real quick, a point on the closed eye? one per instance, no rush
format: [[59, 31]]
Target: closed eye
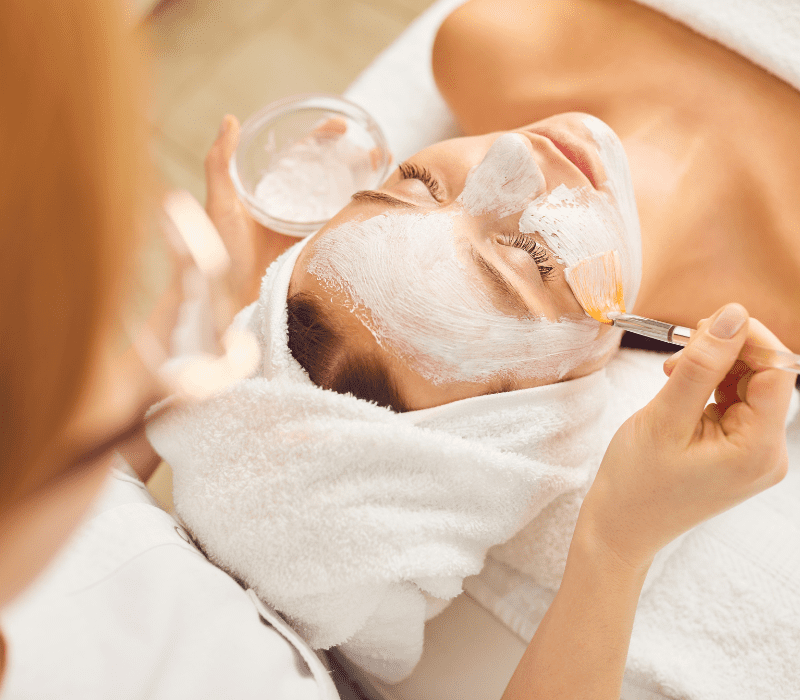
[[412, 171], [533, 248]]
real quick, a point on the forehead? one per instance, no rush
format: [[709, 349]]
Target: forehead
[[303, 280], [417, 390], [456, 156]]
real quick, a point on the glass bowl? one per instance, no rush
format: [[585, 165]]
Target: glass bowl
[[301, 158]]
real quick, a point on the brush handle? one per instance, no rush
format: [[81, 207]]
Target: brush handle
[[679, 335]]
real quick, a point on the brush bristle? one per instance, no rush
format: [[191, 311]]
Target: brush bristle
[[597, 285]]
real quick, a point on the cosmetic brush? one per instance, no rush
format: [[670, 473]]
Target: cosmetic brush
[[597, 285]]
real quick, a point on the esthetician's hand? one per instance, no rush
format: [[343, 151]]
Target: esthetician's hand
[[252, 247], [677, 463]]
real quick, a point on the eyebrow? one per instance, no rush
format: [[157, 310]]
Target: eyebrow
[[501, 285], [371, 196]]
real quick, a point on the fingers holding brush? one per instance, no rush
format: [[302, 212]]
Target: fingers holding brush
[[702, 365], [772, 388]]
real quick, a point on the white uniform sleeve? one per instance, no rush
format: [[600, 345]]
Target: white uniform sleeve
[[133, 610]]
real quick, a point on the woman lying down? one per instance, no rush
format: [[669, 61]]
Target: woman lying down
[[430, 388], [432, 393]]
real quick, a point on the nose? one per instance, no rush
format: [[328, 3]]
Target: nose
[[505, 181]]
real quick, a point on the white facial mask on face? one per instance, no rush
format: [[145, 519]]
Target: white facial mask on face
[[409, 287], [580, 222], [505, 180], [420, 302]]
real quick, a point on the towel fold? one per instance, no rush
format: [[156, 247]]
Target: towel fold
[[340, 516], [358, 524], [720, 616], [355, 522], [723, 620]]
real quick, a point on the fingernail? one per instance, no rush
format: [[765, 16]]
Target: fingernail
[[223, 127], [728, 323]]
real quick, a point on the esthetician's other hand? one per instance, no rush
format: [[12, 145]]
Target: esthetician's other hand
[[677, 462], [252, 247]]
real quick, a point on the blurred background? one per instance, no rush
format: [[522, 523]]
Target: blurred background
[[213, 57]]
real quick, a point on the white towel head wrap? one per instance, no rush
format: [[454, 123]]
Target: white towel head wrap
[[269, 319], [357, 523]]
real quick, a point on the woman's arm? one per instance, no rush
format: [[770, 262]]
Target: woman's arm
[[581, 645], [671, 466]]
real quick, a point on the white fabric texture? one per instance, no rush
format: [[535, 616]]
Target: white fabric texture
[[355, 522], [721, 621], [346, 517], [130, 609], [570, 423]]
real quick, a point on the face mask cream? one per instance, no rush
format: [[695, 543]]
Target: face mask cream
[[407, 283], [504, 181], [581, 222], [409, 288]]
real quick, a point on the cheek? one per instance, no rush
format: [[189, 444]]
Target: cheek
[[505, 181], [573, 226], [578, 223], [620, 186], [407, 286]]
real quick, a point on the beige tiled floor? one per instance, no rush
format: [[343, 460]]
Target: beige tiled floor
[[213, 57]]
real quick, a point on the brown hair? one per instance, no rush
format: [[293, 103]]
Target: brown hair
[[320, 346], [71, 179]]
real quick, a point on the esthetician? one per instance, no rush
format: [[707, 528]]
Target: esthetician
[[102, 593]]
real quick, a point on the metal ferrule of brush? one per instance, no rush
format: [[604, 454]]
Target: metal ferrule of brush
[[658, 330], [680, 335]]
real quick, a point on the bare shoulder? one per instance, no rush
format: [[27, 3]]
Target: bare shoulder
[[492, 57]]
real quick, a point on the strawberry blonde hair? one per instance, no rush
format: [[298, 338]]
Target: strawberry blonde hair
[[71, 183]]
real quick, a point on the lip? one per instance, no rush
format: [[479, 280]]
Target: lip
[[577, 152]]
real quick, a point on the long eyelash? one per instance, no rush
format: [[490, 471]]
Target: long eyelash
[[412, 171], [533, 248]]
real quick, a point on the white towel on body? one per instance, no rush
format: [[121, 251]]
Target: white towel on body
[[721, 616], [356, 523], [723, 620]]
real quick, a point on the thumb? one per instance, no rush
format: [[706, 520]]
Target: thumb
[[702, 365], [220, 192]]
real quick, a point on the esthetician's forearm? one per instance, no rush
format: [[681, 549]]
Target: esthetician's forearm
[[581, 645]]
